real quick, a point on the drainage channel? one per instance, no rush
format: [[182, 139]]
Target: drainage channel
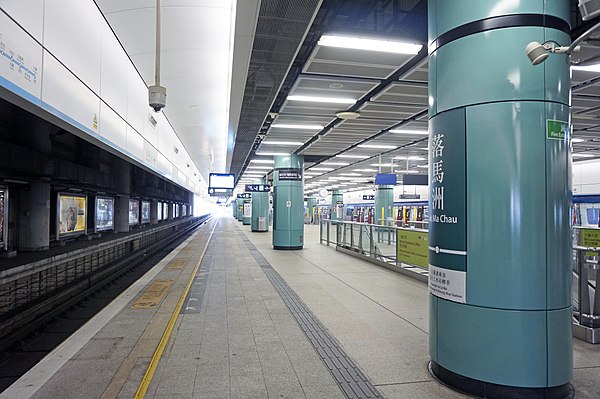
[[352, 381]]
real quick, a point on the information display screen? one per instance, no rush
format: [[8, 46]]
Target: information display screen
[[385, 179], [593, 215], [145, 212], [134, 212], [221, 180], [72, 216], [159, 211], [104, 213], [3, 217]]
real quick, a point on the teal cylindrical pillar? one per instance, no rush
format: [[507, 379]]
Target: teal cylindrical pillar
[[384, 204], [311, 204], [260, 210], [234, 207], [500, 189], [240, 209], [288, 202], [337, 205]]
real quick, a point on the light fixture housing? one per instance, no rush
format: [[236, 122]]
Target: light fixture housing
[[269, 142], [316, 99], [362, 43], [539, 52], [410, 131], [299, 127], [347, 115]]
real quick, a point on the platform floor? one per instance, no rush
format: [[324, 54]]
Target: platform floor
[[243, 330]]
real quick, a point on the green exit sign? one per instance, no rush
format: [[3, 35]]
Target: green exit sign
[[556, 130]]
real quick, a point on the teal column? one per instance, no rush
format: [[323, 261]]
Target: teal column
[[311, 203], [500, 189], [260, 210], [247, 216], [240, 209], [337, 199], [234, 206], [288, 202], [384, 204]]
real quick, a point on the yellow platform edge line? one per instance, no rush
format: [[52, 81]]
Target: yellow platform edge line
[[149, 374]]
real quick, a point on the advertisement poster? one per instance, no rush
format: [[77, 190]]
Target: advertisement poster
[[134, 212], [165, 210], [72, 215], [175, 210], [145, 212], [104, 213], [159, 211], [184, 210], [2, 216]]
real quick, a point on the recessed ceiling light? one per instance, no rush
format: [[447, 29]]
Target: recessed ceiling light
[[577, 140], [350, 174], [259, 167], [268, 142], [272, 153], [314, 99], [423, 166], [383, 164], [335, 163], [407, 131], [359, 43], [378, 146], [300, 127], [348, 115], [322, 169], [336, 86], [353, 156], [262, 161], [411, 158]]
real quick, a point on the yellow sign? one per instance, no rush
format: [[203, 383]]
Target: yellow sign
[[153, 295], [413, 247], [72, 216], [176, 264]]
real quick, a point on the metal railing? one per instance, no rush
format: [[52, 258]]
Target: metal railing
[[586, 266]]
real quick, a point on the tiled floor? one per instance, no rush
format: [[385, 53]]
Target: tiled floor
[[242, 341]]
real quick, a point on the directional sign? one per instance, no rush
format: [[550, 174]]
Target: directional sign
[[245, 195], [257, 188], [369, 197]]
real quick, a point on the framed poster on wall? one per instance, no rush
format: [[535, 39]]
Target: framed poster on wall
[[145, 212], [104, 214], [71, 215], [159, 212], [134, 212], [165, 210], [184, 210], [3, 217]]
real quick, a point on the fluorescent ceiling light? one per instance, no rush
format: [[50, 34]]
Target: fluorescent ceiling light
[[353, 156], [407, 171], [410, 158], [282, 142], [577, 140], [301, 127], [586, 68], [322, 169], [335, 163], [423, 166], [313, 99], [377, 146], [365, 170], [359, 43], [262, 161], [383, 164], [350, 174], [267, 154], [582, 155], [259, 167], [410, 131]]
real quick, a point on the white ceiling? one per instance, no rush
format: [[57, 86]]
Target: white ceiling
[[196, 68]]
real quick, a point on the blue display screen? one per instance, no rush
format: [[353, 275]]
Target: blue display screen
[[385, 179], [592, 215]]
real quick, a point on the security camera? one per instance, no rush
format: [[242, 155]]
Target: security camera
[[157, 97], [536, 53]]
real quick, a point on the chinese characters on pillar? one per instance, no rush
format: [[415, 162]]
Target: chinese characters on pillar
[[437, 164]]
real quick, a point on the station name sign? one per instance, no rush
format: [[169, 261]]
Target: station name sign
[[257, 188]]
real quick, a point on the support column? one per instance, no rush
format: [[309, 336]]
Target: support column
[[311, 203], [384, 204], [288, 202], [122, 173], [34, 222], [337, 205], [240, 209], [500, 181], [234, 208], [260, 210], [247, 216]]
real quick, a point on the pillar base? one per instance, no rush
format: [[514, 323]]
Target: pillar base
[[489, 390], [287, 248]]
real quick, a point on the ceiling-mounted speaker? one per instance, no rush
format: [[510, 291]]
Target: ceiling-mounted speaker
[[589, 9]]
